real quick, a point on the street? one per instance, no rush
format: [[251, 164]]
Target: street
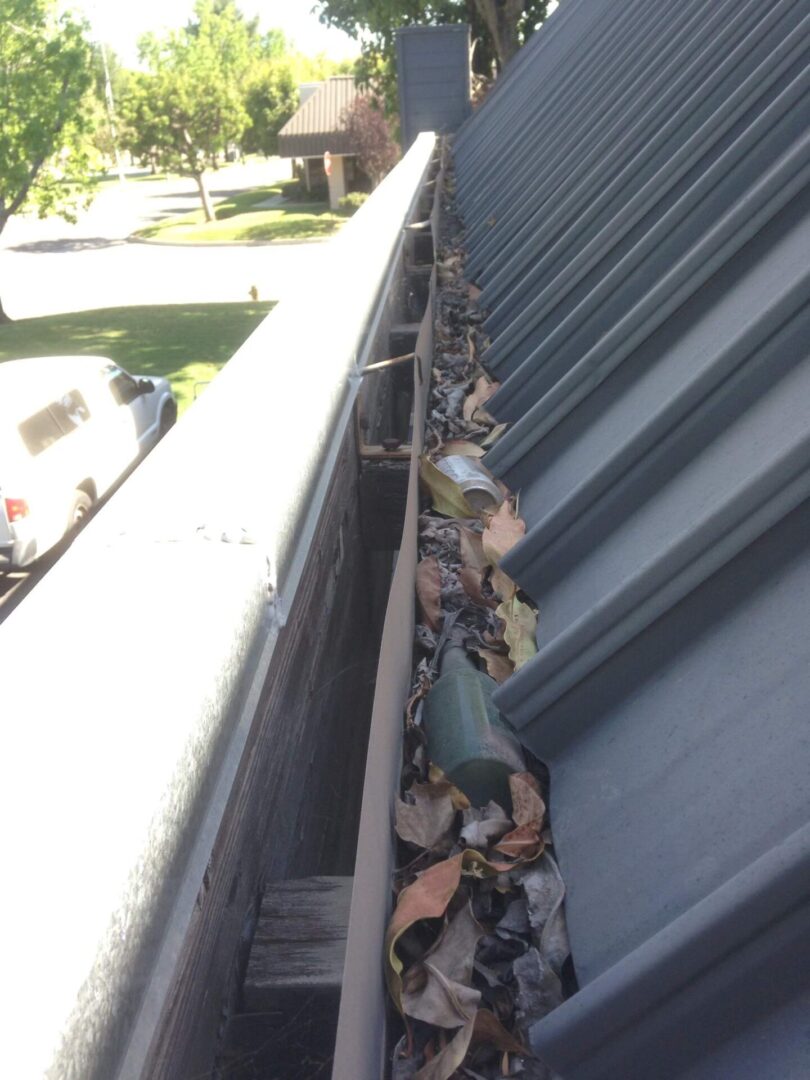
[[50, 267]]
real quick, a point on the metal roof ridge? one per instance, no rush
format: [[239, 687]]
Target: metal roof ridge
[[762, 894]]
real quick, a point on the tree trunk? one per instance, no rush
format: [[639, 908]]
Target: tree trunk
[[3, 222], [208, 208], [502, 18]]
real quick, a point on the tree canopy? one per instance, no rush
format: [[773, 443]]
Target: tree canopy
[[216, 82], [191, 104], [499, 28], [46, 71]]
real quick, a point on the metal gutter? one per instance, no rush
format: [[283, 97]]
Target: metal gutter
[[132, 671], [361, 1042]]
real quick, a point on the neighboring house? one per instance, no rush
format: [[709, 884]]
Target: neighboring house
[[317, 129]]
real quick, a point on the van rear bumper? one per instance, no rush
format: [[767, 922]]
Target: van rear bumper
[[16, 555]]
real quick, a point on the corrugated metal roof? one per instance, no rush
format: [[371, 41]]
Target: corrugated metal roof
[[318, 124], [636, 196]]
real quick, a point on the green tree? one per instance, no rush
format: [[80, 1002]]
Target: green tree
[[195, 92], [45, 74], [499, 28], [139, 116], [272, 98], [272, 88]]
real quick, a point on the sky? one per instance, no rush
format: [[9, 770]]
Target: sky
[[120, 23]]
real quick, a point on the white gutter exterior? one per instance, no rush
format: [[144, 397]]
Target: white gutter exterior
[[131, 672]]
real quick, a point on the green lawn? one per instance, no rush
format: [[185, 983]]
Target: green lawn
[[239, 223], [188, 343]]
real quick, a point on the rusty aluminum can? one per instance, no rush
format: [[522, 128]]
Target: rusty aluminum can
[[480, 490]]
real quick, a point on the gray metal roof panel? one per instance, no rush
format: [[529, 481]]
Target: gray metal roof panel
[[608, 110], [640, 167], [677, 371], [643, 247]]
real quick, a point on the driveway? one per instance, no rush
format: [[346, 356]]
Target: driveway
[[50, 267]]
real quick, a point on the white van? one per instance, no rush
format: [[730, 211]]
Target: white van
[[70, 427]]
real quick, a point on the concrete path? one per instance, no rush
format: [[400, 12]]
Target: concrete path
[[50, 267]]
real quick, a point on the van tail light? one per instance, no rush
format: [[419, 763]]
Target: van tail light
[[16, 509]]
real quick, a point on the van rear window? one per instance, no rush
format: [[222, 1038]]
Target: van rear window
[[70, 411], [48, 425]]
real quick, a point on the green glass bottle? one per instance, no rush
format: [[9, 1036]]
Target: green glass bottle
[[467, 737]]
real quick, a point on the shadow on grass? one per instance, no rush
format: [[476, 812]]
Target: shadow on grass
[[284, 219], [186, 343], [58, 247]]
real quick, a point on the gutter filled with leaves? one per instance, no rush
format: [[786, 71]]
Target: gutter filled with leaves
[[476, 950]]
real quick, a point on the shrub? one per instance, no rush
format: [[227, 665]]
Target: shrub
[[369, 135], [351, 202]]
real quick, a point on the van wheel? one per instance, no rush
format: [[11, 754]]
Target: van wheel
[[80, 510], [167, 418]]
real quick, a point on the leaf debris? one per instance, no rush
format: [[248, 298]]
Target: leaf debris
[[476, 946]]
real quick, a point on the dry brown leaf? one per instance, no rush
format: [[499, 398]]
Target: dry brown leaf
[[483, 391], [538, 988], [446, 495], [545, 893], [527, 806], [473, 564], [487, 1028], [503, 530], [436, 777], [502, 584], [472, 549], [438, 989], [440, 1001], [426, 898], [443, 1065], [452, 263], [484, 1027], [471, 583], [522, 843], [519, 631], [425, 684], [463, 448], [454, 952], [429, 591], [483, 825], [427, 820], [474, 864], [493, 436], [473, 292], [499, 667]]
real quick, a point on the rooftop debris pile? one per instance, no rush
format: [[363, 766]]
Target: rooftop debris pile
[[477, 948]]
